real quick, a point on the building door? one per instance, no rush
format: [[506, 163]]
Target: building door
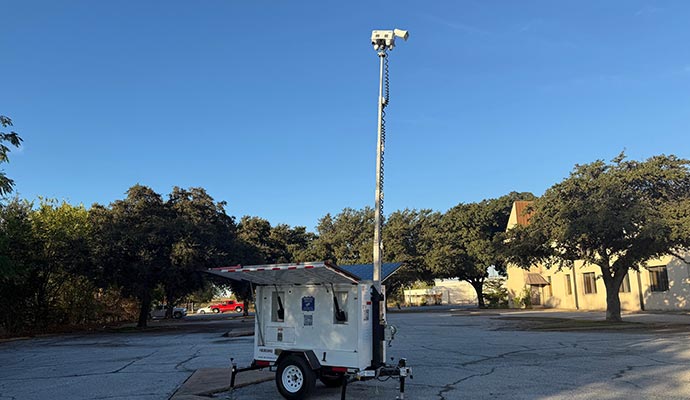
[[535, 292]]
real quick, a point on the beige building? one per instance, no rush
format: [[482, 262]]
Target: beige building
[[664, 284], [445, 291]]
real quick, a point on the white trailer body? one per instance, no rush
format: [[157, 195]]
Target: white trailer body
[[318, 320], [310, 323]]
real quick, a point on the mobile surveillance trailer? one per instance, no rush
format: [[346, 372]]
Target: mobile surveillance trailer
[[318, 321]]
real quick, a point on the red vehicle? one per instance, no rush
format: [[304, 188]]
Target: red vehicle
[[225, 306]]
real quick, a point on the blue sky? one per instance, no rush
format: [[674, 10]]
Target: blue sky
[[271, 106]]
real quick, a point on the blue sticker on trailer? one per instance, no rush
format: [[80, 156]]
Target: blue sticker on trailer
[[308, 303]]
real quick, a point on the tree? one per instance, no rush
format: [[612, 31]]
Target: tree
[[61, 233], [346, 239], [17, 258], [7, 184], [132, 243], [203, 236], [470, 241], [292, 243], [408, 237], [617, 216], [43, 255]]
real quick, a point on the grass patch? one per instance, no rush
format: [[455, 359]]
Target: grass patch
[[567, 324]]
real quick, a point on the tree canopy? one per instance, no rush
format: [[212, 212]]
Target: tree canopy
[[13, 139], [470, 240], [616, 215]]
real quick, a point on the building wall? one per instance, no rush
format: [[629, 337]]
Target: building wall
[[445, 291], [454, 291], [416, 297], [677, 297]]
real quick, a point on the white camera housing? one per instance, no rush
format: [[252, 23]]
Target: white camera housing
[[401, 34], [385, 39]]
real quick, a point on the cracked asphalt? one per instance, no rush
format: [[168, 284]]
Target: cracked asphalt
[[460, 356], [453, 356], [124, 365]]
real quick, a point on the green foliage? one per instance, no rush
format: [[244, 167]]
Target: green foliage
[[470, 240], [13, 139], [44, 267], [133, 244], [523, 299], [345, 239], [616, 215], [495, 293], [408, 236], [142, 243], [203, 236], [17, 265]]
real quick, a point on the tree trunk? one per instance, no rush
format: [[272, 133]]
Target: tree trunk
[[245, 308], [145, 309], [613, 301], [478, 286], [613, 305]]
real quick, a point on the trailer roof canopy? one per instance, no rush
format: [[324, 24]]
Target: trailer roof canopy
[[302, 273]]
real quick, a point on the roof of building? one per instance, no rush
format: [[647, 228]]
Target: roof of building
[[521, 212], [533, 278]]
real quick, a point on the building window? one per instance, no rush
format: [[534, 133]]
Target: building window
[[625, 285], [550, 291], [568, 285], [590, 282], [658, 279]]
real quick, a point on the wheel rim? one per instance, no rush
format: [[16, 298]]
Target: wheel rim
[[292, 378]]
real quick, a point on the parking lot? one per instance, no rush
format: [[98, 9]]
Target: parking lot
[[454, 356]]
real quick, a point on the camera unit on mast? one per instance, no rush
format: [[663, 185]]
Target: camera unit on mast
[[383, 41]]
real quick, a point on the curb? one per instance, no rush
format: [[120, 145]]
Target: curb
[[207, 381]]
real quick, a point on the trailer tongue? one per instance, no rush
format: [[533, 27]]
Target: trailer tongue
[[319, 321]]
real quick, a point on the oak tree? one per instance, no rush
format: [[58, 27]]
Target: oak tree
[[617, 216]]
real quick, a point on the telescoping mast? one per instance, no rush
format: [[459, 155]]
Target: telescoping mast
[[317, 320]]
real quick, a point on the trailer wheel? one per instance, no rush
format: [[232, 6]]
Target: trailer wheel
[[294, 378], [332, 381]]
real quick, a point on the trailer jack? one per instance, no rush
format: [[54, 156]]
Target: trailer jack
[[400, 371], [234, 370]]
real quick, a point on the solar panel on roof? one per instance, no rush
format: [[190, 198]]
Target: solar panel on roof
[[304, 273], [365, 272]]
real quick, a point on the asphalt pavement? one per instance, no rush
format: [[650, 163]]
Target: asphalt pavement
[[454, 353]]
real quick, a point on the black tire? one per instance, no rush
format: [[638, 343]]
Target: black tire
[[332, 381], [202, 312], [177, 315], [215, 310], [238, 309], [294, 378]]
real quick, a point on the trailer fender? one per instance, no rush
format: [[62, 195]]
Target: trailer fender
[[308, 355]]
